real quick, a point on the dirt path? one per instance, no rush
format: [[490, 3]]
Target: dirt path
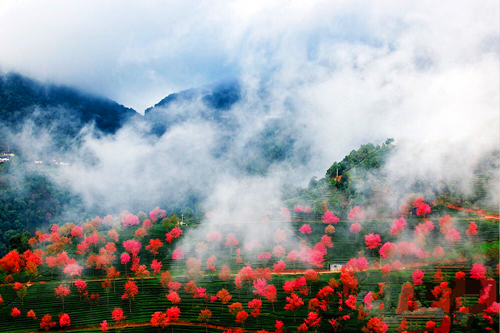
[[145, 324], [481, 213]]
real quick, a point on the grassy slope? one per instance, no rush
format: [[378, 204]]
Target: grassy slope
[[151, 297]]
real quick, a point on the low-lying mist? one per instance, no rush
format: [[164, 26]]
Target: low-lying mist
[[304, 104]]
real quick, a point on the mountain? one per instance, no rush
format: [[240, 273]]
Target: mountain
[[63, 109], [210, 102], [220, 105]]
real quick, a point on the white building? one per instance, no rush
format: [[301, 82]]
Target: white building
[[336, 266]]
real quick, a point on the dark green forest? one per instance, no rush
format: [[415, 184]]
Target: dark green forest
[[339, 188], [358, 180], [61, 110], [29, 201]]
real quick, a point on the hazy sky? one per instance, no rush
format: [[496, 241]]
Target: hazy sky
[[338, 73], [137, 52]]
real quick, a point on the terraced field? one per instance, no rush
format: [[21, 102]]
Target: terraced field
[[152, 297]]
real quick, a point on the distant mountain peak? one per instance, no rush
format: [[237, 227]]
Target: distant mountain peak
[[21, 96], [207, 102], [221, 95]]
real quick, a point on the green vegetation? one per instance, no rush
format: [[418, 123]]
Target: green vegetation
[[358, 180], [340, 187], [20, 97], [30, 201], [89, 313]]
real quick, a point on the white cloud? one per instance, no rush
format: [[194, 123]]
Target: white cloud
[[346, 72]]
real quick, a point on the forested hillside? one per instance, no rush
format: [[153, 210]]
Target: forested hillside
[[360, 179], [30, 201], [60, 109]]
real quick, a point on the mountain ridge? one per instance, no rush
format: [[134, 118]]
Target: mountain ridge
[[22, 98]]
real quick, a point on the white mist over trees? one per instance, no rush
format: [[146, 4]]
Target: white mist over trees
[[333, 76]]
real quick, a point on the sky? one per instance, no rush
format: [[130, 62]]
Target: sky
[[344, 72], [137, 52]]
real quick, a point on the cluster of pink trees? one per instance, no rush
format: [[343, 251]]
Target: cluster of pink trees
[[98, 250], [422, 208], [130, 220]]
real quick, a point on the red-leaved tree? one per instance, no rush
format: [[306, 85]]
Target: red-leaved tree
[[224, 296], [255, 305], [204, 317], [62, 291], [293, 303], [64, 320], [47, 322], [130, 291], [81, 286], [173, 297], [159, 319], [117, 315], [154, 246]]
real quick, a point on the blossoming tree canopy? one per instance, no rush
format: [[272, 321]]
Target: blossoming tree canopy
[[205, 315], [388, 250], [62, 291], [231, 240], [132, 246], [372, 241], [329, 218], [47, 322], [472, 229], [358, 264], [355, 214], [298, 209], [452, 235], [421, 207], [305, 229], [156, 266], [80, 285], [438, 252], [154, 246], [159, 319], [130, 220], [64, 320], [355, 228], [398, 225], [124, 258], [117, 314], [478, 271], [15, 312], [178, 254], [11, 263], [417, 276]]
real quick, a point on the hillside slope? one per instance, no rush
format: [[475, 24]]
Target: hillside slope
[[61, 109]]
